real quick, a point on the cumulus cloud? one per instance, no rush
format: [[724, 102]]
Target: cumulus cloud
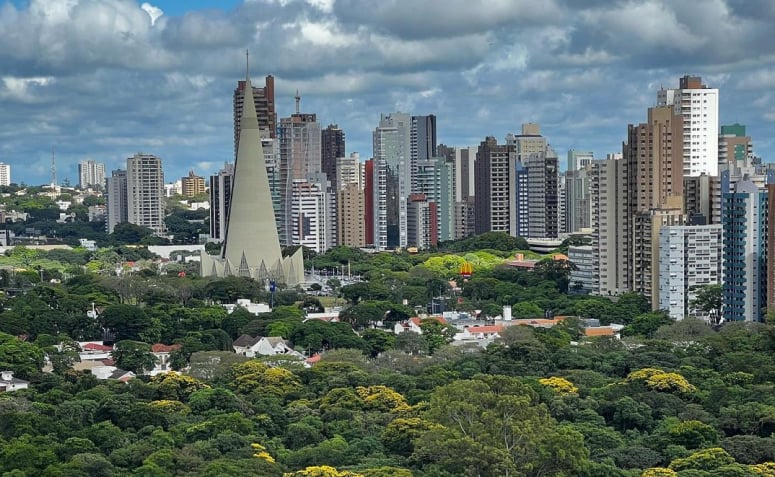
[[106, 78]]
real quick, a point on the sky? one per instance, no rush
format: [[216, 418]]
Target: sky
[[105, 79]]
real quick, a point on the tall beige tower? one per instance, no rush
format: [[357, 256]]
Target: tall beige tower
[[251, 247]]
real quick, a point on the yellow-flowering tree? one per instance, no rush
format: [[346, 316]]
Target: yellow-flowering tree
[[706, 459], [382, 398], [176, 386], [660, 380], [766, 469], [559, 385], [321, 471], [260, 452], [658, 472]]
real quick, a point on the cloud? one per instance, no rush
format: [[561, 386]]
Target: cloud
[[153, 12], [106, 78]]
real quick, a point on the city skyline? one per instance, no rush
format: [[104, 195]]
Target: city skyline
[[170, 70]]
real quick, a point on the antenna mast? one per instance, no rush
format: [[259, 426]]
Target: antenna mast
[[298, 100]]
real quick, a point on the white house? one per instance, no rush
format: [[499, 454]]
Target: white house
[[8, 383], [255, 308], [476, 333], [251, 347]]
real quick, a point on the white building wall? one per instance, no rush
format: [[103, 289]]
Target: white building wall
[[5, 174], [699, 109], [689, 257]]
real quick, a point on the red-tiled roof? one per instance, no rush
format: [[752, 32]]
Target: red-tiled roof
[[485, 329], [416, 320], [96, 347], [313, 359], [162, 348], [599, 331]]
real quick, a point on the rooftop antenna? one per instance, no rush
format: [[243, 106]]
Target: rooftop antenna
[[247, 63], [298, 100], [53, 169]]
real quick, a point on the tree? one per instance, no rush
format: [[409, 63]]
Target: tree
[[436, 334], [378, 340], [709, 299], [706, 459], [498, 417], [646, 324], [133, 356], [130, 322], [411, 342], [24, 359], [126, 233], [64, 356]]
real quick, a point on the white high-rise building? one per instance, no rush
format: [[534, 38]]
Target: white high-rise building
[[349, 170], [5, 174], [313, 223], [145, 192], [91, 174], [698, 105], [689, 257]]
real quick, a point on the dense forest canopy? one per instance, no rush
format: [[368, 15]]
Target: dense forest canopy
[[668, 399]]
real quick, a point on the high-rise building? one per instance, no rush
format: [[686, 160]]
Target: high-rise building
[[349, 170], [577, 199], [435, 179], [461, 160], [220, 197], [350, 214], [392, 155], [369, 197], [422, 220], [115, 200], [578, 160], [609, 221], [583, 276], [734, 145], [654, 162], [332, 147], [145, 192], [528, 142], [312, 218], [495, 170], [350, 201], [423, 143], [192, 184], [5, 174], [263, 99], [689, 257], [91, 174], [251, 247], [299, 139], [746, 227], [702, 199], [698, 106], [542, 171]]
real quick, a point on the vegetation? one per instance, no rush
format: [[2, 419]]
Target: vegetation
[[669, 399]]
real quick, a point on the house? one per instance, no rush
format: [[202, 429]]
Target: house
[[162, 354], [251, 347], [121, 375], [331, 316], [413, 324], [255, 308], [9, 384], [473, 333]]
